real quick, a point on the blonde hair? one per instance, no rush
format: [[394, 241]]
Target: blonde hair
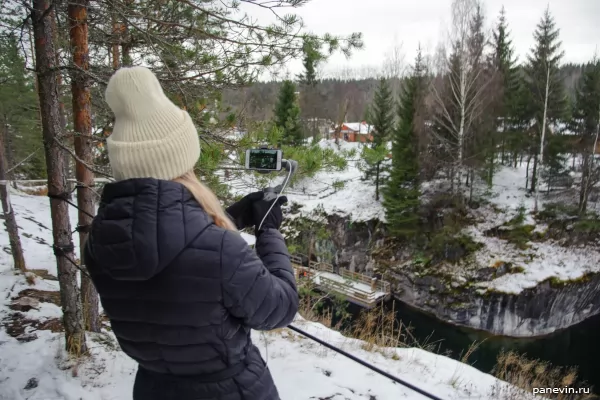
[[207, 199]]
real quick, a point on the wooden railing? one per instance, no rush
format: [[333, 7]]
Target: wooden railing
[[378, 285], [340, 287]]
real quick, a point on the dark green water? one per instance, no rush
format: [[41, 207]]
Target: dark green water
[[577, 346]]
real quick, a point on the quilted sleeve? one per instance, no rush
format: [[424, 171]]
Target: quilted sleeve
[[260, 289]]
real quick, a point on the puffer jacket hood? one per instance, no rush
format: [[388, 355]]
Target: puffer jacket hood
[[140, 227]]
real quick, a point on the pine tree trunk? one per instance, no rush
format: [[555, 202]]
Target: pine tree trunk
[[9, 156], [116, 38], [126, 42], [52, 128], [80, 90], [8, 212], [59, 80]]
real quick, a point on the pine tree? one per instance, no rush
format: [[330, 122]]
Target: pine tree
[[287, 114], [548, 101], [312, 57], [381, 112], [505, 63], [19, 114], [308, 81], [46, 64], [401, 196], [586, 122], [82, 124]]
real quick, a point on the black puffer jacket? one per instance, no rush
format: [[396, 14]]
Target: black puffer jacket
[[182, 294]]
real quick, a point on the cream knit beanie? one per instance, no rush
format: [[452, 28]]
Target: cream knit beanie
[[152, 137]]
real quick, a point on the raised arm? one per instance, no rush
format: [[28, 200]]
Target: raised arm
[[260, 289]]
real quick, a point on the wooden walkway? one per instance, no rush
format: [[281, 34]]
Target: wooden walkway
[[357, 288]]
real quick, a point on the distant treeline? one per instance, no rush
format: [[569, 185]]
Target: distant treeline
[[256, 102]]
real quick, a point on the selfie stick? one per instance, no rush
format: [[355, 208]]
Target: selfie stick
[[274, 193]]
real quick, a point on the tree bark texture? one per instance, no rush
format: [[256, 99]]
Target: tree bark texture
[[59, 81], [80, 91], [8, 212], [9, 156], [52, 127]]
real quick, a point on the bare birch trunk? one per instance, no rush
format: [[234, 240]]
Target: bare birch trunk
[[80, 90], [52, 128], [541, 161], [8, 212], [461, 129]]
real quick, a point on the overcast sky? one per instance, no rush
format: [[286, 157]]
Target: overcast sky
[[426, 21]]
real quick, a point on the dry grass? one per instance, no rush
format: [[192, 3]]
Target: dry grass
[[307, 310], [44, 296], [36, 191], [525, 374], [44, 274], [379, 328]]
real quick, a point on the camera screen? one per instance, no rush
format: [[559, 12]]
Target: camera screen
[[263, 159]]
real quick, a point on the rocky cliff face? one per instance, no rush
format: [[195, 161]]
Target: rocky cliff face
[[549, 306], [534, 312]]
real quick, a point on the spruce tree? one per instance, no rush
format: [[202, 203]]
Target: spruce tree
[[545, 59], [585, 121], [287, 114], [381, 113], [505, 63], [401, 196]]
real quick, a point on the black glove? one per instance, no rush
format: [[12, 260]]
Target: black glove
[[242, 212], [273, 219]]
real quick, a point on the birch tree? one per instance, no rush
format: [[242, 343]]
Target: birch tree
[[394, 65], [459, 102], [542, 136], [548, 101]]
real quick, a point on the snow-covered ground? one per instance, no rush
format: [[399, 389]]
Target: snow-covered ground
[[302, 369], [542, 260], [356, 200]]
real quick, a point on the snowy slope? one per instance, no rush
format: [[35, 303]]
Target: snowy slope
[[301, 368], [542, 260], [355, 200]]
